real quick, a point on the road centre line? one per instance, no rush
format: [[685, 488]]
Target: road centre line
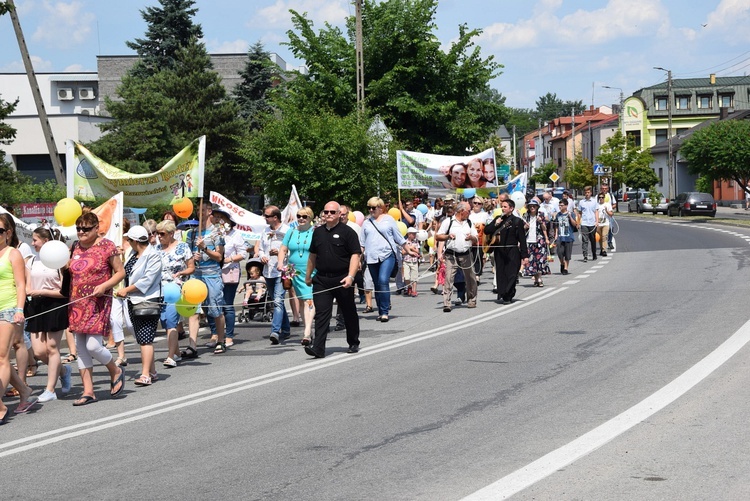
[[571, 282], [77, 430], [564, 456], [581, 276]]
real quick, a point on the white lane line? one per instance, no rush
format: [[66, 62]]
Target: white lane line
[[599, 436], [571, 282], [76, 430], [597, 267], [581, 276], [590, 271]]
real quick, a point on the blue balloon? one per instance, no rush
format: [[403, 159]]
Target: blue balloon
[[469, 192], [422, 208], [171, 293]]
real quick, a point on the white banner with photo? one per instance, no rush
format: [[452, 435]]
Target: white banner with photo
[[249, 224], [443, 174]]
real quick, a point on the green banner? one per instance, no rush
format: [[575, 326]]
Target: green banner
[[89, 177]]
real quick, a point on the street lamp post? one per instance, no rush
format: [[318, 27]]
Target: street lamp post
[[622, 122], [670, 160]]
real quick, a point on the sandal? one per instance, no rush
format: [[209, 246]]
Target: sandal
[[120, 379], [26, 406], [31, 370], [188, 353], [12, 393], [144, 380], [306, 341], [84, 400], [70, 358], [121, 362], [368, 309], [220, 348]]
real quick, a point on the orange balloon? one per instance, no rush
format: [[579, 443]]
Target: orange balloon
[[183, 207], [597, 237], [194, 291]]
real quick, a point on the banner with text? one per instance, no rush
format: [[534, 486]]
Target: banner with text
[[442, 174], [90, 177], [247, 223]]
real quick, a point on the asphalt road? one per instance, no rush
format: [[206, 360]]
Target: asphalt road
[[596, 386]]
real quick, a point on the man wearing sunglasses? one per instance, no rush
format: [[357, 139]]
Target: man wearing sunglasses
[[334, 255], [267, 249]]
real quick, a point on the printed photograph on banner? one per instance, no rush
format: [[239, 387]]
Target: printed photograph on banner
[[442, 174], [247, 223]]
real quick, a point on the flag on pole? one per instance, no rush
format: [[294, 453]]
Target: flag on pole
[[289, 214], [110, 219]]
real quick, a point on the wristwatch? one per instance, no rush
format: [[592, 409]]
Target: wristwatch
[[349, 276]]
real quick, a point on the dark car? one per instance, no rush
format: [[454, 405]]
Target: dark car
[[692, 203]]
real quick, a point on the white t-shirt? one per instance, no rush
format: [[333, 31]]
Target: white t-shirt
[[460, 229], [603, 214]]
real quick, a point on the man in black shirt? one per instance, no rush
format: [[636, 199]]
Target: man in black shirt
[[334, 254]]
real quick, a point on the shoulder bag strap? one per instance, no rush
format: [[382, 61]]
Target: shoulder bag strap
[[381, 234]]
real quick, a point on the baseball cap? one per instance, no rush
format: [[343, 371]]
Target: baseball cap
[[411, 230], [137, 233], [532, 202]]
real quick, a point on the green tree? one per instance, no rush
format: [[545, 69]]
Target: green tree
[[720, 151], [7, 132], [542, 174], [251, 94], [170, 28], [549, 107], [580, 172], [162, 113], [627, 161], [432, 100], [326, 156]]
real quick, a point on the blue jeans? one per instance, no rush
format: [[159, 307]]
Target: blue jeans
[[230, 291], [381, 278], [280, 322]]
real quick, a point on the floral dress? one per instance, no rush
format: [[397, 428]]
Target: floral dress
[[538, 250], [89, 268]]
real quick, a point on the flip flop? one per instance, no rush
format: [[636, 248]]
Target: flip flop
[[26, 406], [120, 379], [84, 400]]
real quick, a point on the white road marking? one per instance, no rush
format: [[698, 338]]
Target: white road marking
[[581, 276], [590, 271], [571, 282], [598, 267], [80, 429]]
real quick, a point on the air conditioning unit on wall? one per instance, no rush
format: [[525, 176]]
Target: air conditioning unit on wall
[[86, 93], [65, 94]]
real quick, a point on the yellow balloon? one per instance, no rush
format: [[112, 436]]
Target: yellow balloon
[[67, 211], [352, 217], [431, 242], [194, 291], [395, 213], [498, 212], [401, 228]]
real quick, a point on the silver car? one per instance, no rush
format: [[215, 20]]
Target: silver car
[[641, 202]]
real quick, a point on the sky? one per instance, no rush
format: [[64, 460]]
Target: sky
[[570, 48]]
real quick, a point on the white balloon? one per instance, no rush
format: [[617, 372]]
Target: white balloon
[[422, 235], [518, 198], [54, 254]]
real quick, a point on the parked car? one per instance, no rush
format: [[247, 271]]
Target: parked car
[[640, 202], [692, 203]]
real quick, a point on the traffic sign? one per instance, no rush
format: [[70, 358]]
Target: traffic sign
[[554, 177], [598, 170]]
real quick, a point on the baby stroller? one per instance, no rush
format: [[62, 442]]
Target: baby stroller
[[257, 305]]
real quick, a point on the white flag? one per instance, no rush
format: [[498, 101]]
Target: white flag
[[289, 214]]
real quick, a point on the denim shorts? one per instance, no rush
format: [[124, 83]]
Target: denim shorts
[[169, 316], [7, 315], [214, 303]]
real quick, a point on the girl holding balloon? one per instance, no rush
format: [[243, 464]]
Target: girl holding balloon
[[48, 316], [177, 264]]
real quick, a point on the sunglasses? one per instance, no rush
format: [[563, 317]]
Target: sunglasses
[[2, 231], [161, 233], [302, 216], [152, 233], [268, 215], [330, 211], [83, 229], [477, 203], [371, 208]]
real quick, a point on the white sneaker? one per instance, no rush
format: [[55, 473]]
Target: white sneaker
[[170, 362], [47, 396]]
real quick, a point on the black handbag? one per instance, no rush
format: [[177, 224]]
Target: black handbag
[[147, 309]]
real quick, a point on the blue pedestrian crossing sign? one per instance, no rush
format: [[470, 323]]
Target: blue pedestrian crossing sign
[[598, 170]]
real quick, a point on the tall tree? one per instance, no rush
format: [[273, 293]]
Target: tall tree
[[628, 162], [170, 28], [251, 94], [430, 99], [549, 107], [720, 151], [160, 114], [580, 173], [7, 132]]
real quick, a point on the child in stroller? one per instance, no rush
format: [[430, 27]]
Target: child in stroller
[[255, 294]]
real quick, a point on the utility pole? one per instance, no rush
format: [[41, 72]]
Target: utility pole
[[622, 129], [540, 147], [360, 64], [513, 151], [572, 133], [670, 160], [46, 128]]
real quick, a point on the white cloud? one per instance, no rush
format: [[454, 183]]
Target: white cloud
[[319, 11], [37, 62], [618, 19], [64, 24], [74, 68], [227, 47], [731, 19]]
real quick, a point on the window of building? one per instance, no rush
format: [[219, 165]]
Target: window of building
[[661, 176], [682, 102], [634, 137], [704, 102], [726, 100], [661, 135], [661, 103]]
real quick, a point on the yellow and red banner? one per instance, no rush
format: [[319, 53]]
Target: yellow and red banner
[[89, 177]]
